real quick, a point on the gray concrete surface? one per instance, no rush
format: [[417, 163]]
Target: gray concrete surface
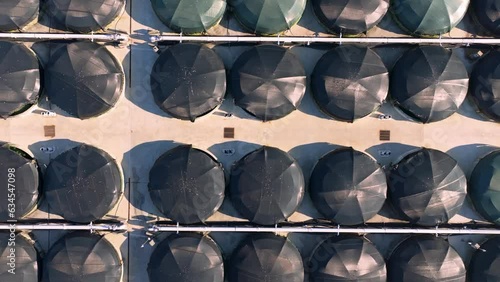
[[136, 132]]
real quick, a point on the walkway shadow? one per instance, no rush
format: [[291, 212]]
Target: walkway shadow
[[136, 165], [228, 153]]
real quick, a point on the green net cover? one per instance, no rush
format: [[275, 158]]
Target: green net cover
[[484, 187], [189, 16], [485, 85], [428, 17], [267, 17]]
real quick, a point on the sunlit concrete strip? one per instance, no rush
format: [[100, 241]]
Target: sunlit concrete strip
[[112, 37], [331, 230], [337, 40], [64, 226]]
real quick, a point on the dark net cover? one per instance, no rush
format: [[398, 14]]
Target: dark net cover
[[19, 78], [266, 257], [346, 258], [425, 258], [25, 183], [268, 17], [427, 187], [429, 83], [268, 82], [188, 81], [83, 79], [82, 257], [348, 187], [26, 259], [82, 184], [350, 82], [485, 262], [428, 17], [189, 16], [16, 14], [187, 257], [187, 185], [266, 186], [349, 16], [487, 14], [84, 15], [485, 86], [484, 187]]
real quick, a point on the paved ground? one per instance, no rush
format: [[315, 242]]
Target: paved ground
[[136, 132]]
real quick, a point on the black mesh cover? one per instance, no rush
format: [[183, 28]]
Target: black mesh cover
[[82, 257], [188, 81], [487, 14], [484, 187], [425, 259], [266, 257], [485, 263], [19, 78], [427, 187], [348, 186], [350, 82], [83, 79], [186, 257], [266, 186], [82, 184], [429, 83], [84, 15], [26, 259], [485, 87], [350, 16], [347, 258], [16, 14], [268, 82], [25, 183], [187, 185]]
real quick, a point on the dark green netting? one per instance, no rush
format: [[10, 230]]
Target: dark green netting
[[484, 187], [348, 186], [346, 258], [425, 258], [84, 79], [82, 184], [82, 257], [429, 83], [428, 17], [350, 16], [266, 186], [267, 17], [427, 187], [16, 14], [186, 184], [19, 78], [350, 82], [83, 15], [485, 85], [487, 14], [25, 183], [266, 257], [268, 82], [485, 262], [186, 257], [189, 16], [26, 263], [188, 81]]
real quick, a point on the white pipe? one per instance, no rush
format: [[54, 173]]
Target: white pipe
[[339, 40], [338, 230], [65, 36], [55, 226]]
